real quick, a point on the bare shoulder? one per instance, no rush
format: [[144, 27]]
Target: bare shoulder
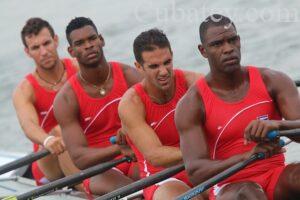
[[130, 99], [191, 77], [24, 91], [65, 100], [190, 108], [276, 80], [131, 74]]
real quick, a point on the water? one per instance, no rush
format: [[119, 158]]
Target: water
[[269, 33]]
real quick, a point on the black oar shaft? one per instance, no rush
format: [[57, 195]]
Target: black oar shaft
[[143, 183], [290, 133], [72, 179], [219, 177], [297, 82], [23, 161]]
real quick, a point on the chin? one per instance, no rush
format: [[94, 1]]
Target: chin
[[231, 68]]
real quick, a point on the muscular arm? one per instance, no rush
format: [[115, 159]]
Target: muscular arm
[[189, 116], [23, 100], [286, 97], [132, 114], [66, 112]]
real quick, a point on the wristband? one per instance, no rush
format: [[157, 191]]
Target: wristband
[[47, 140]]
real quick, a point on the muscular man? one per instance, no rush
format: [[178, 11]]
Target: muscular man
[[147, 113], [34, 96], [86, 107], [233, 103]]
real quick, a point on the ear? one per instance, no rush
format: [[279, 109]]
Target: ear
[[138, 66], [27, 51], [102, 40], [71, 51], [202, 50], [56, 41]]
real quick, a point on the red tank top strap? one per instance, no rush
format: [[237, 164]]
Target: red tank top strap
[[32, 80], [70, 69], [119, 79]]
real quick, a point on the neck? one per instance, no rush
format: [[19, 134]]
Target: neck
[[158, 95], [96, 75], [227, 81], [53, 74]]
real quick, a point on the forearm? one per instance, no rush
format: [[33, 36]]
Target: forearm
[[290, 124], [85, 157], [164, 156], [202, 169], [34, 132]]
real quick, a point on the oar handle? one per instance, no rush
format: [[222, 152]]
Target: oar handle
[[287, 133], [113, 139]]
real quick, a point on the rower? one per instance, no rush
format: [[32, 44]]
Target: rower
[[33, 99], [224, 119], [147, 113], [86, 107]]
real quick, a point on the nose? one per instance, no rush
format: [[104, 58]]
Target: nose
[[88, 45], [163, 71], [43, 51], [228, 48]]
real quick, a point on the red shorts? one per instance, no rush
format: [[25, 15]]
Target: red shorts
[[124, 168], [38, 175], [267, 181], [149, 191]]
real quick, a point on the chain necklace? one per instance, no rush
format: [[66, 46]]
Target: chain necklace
[[157, 100], [101, 88], [53, 84]]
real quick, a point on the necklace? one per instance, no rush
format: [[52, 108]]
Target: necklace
[[157, 100], [101, 88], [53, 84]]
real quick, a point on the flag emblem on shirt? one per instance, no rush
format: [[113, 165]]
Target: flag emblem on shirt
[[263, 117]]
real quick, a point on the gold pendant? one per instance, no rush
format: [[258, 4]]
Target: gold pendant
[[102, 91]]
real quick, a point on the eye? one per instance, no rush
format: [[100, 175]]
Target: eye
[[78, 43], [233, 39], [153, 66], [168, 62], [216, 43]]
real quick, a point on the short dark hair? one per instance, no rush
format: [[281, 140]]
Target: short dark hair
[[213, 20], [33, 26], [77, 23], [148, 41]]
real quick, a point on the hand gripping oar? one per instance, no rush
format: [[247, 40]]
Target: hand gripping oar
[[23, 161], [143, 183], [69, 180], [223, 175], [286, 133]]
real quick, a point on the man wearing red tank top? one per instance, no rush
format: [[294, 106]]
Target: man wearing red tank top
[[33, 99], [86, 107], [147, 113], [224, 118]]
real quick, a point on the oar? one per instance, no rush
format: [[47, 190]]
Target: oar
[[223, 175], [69, 180], [286, 133], [143, 183], [297, 82], [23, 161]]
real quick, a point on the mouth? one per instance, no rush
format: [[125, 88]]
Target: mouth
[[231, 60], [92, 55], [164, 80]]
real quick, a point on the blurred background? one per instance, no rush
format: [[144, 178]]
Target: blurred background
[[269, 32]]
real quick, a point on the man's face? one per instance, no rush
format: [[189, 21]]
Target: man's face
[[221, 47], [86, 46], [42, 48], [158, 67]]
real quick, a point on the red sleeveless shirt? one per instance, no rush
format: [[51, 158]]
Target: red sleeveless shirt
[[44, 99], [98, 117], [226, 121], [161, 119]]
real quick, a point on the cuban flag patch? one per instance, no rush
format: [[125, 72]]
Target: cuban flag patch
[[263, 117]]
